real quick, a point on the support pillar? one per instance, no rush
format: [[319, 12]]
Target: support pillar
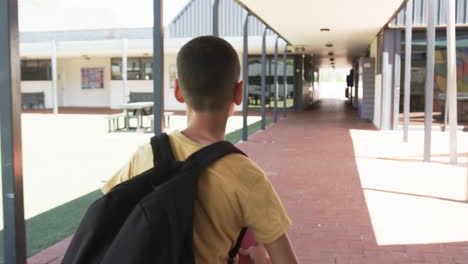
[[429, 89], [10, 135], [124, 72], [158, 67], [451, 93], [54, 77], [408, 50], [396, 80], [263, 111], [275, 110], [216, 18], [245, 77], [285, 79]]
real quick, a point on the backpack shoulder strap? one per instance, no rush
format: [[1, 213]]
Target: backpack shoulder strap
[[233, 252], [209, 154], [162, 151]]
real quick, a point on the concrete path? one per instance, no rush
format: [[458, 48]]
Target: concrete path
[[340, 181]]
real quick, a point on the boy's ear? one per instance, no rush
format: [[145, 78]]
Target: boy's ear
[[238, 92], [178, 93]]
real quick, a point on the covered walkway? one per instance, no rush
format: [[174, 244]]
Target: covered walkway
[[310, 158], [332, 195]]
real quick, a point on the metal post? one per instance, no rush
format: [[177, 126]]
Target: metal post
[[285, 79], [446, 109], [216, 18], [10, 135], [158, 67], [54, 77], [275, 110], [356, 89], [245, 76], [124, 71], [429, 91], [263, 123], [396, 80], [387, 77], [408, 46], [451, 92]]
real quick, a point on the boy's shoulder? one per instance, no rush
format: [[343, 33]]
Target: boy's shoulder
[[244, 169], [241, 167]]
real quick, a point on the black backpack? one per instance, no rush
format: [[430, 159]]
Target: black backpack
[[149, 218]]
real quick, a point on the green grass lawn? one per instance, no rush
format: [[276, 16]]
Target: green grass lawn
[[50, 227]]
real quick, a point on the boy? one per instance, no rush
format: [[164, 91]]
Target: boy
[[233, 192]]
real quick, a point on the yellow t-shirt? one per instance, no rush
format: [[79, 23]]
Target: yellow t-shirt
[[232, 193]]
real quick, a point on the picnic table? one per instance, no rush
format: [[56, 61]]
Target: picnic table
[[138, 110]]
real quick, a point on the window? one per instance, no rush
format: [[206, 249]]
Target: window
[[147, 65], [138, 68], [116, 69], [36, 70], [254, 80]]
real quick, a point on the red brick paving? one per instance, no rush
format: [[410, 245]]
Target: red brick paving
[[310, 160], [52, 255]]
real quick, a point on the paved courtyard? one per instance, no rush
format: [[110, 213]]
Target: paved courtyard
[[357, 195]]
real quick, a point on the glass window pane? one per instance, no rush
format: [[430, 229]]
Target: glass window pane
[[147, 63], [255, 71], [116, 68], [134, 71], [36, 70]]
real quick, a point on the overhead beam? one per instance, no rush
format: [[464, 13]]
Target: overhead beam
[[252, 13]]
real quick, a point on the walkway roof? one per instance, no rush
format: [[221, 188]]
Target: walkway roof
[[353, 24]]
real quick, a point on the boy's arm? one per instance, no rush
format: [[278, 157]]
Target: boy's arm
[[265, 215], [281, 251]]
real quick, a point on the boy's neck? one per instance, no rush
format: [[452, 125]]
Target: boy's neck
[[206, 127]]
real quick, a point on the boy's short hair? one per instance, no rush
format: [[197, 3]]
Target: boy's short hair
[[208, 69]]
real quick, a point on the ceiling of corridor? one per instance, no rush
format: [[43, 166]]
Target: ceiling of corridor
[[353, 24]]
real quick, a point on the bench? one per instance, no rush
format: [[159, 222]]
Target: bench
[[113, 121], [32, 100], [136, 97], [167, 119]]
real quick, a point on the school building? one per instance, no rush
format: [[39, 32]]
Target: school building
[[376, 80], [80, 52]]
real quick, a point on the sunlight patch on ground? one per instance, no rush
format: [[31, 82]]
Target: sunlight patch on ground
[[410, 201]]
